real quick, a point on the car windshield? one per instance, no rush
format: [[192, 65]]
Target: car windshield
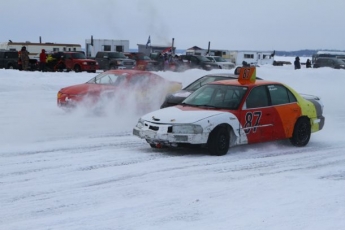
[[107, 79], [202, 58], [219, 59], [78, 56], [203, 81], [217, 96], [116, 55]]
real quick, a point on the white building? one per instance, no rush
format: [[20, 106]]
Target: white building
[[35, 48], [252, 57], [105, 45]]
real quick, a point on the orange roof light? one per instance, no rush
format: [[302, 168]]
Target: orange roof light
[[247, 75]]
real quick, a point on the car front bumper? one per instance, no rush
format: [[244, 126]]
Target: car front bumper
[[169, 139]]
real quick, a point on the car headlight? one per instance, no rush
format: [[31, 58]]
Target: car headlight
[[207, 66], [59, 95], [84, 63], [140, 123], [342, 66], [187, 129]]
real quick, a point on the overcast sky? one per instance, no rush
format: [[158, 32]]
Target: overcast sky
[[226, 24]]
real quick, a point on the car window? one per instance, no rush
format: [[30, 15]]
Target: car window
[[219, 59], [202, 58], [219, 96], [140, 79], [109, 79], [258, 97], [194, 60], [12, 55], [78, 55], [280, 95]]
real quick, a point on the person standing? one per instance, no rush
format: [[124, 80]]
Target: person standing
[[43, 60], [24, 56], [297, 63], [308, 64]]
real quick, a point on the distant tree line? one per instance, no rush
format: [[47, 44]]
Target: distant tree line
[[300, 53]]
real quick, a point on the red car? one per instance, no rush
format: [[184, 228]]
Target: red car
[[128, 87]]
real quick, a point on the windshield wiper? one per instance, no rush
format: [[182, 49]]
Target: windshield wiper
[[208, 106], [185, 104]]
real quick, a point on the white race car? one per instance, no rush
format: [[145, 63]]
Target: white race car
[[233, 112]]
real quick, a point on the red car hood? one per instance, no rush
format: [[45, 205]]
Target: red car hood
[[86, 88]]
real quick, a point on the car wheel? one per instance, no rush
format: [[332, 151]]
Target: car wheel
[[153, 146], [77, 69], [218, 141], [112, 67], [10, 66], [301, 133]]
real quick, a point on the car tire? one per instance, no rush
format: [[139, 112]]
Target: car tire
[[10, 66], [77, 69], [218, 141], [301, 133], [153, 146], [113, 67]]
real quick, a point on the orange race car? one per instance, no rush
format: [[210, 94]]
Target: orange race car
[[226, 113], [123, 87]]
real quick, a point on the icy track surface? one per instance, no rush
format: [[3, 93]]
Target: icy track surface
[[82, 170]]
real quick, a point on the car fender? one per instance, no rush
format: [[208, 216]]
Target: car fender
[[224, 118]]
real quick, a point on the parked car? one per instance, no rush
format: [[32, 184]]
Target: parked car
[[67, 61], [178, 96], [8, 59], [145, 86], [329, 62], [143, 62], [114, 60], [221, 62], [199, 62], [227, 113]]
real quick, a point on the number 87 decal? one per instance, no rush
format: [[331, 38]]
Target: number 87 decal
[[252, 121]]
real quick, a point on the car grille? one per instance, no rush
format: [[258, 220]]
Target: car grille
[[128, 63], [156, 128]]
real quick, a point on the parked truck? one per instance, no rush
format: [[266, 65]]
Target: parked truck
[[143, 62], [8, 59], [67, 61], [113, 60]]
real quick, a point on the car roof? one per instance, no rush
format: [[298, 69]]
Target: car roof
[[237, 83], [130, 71], [222, 75]]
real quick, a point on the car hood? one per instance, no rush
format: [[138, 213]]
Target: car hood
[[123, 59], [85, 89], [179, 115]]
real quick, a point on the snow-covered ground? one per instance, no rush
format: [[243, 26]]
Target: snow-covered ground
[[78, 170]]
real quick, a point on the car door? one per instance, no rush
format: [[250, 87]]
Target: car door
[[103, 62], [287, 111], [68, 60], [257, 116]]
